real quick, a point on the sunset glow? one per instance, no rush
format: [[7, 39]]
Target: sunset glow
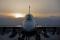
[[17, 15], [39, 8]]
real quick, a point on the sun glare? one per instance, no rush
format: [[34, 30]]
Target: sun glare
[[17, 15]]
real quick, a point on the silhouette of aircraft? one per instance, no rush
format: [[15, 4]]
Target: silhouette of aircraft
[[28, 29]]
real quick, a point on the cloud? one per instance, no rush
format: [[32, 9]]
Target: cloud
[[45, 5], [37, 6]]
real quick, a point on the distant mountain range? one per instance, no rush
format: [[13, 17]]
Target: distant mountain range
[[53, 20], [50, 21]]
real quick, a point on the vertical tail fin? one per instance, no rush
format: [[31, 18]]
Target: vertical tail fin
[[29, 9]]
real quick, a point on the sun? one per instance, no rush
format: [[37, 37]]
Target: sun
[[18, 15]]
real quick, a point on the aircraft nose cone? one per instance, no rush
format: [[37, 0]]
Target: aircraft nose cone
[[28, 25]]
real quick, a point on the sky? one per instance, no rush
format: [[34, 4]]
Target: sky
[[43, 8]]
